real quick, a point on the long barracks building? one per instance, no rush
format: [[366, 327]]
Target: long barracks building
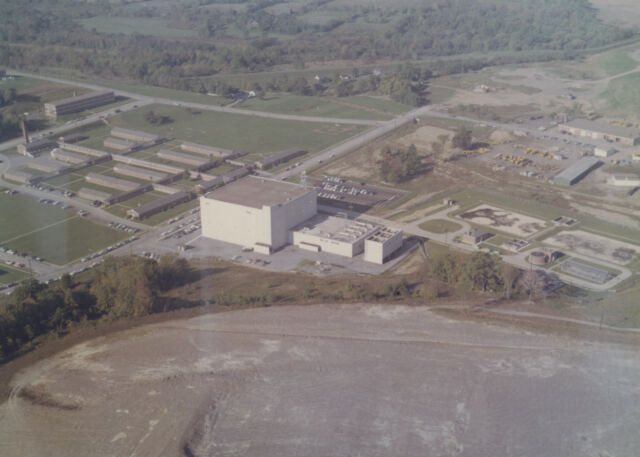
[[79, 103]]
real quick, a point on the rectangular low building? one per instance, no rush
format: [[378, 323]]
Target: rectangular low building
[[84, 150], [209, 185], [36, 147], [236, 174], [604, 152], [140, 173], [208, 151], [73, 138], [135, 135], [94, 195], [118, 144], [147, 164], [624, 180], [110, 181], [18, 176], [476, 236], [161, 204], [279, 157], [201, 163], [256, 212], [629, 136], [574, 173], [79, 103], [382, 244], [335, 235], [69, 157], [45, 166]]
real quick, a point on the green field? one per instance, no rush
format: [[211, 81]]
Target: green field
[[623, 94], [319, 106], [617, 61], [134, 26], [9, 274], [440, 226], [257, 136], [48, 232]]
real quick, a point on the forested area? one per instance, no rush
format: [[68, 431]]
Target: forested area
[[120, 287], [258, 35]]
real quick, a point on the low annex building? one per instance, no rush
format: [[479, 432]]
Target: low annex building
[[335, 235], [624, 180], [476, 236]]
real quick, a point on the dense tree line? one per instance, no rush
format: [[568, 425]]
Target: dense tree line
[[119, 287], [399, 165], [45, 33], [480, 271]]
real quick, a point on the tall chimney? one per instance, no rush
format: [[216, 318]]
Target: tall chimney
[[23, 125]]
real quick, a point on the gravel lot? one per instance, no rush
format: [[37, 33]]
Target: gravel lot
[[327, 381]]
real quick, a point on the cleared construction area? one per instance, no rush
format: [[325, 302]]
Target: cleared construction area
[[374, 380]]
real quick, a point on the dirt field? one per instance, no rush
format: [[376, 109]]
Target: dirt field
[[596, 246], [504, 220], [327, 380]]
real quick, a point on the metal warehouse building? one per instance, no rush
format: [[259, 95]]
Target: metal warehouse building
[[79, 103], [161, 204], [110, 181], [602, 131], [134, 135], [140, 173], [209, 151], [279, 158], [256, 212], [576, 172]]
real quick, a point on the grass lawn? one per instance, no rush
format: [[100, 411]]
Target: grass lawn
[[258, 136], [378, 103], [617, 61], [314, 106], [440, 226], [9, 274], [68, 240], [46, 231], [22, 215], [162, 92], [623, 94], [134, 25]]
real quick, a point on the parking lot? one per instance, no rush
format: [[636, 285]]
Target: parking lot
[[338, 189]]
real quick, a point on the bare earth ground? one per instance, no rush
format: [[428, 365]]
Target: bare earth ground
[[328, 381]]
